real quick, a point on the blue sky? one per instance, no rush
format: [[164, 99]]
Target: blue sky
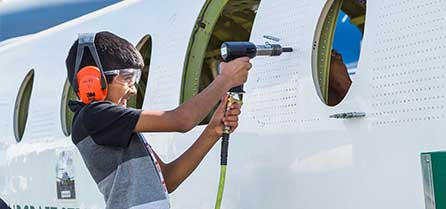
[[347, 39], [23, 17]]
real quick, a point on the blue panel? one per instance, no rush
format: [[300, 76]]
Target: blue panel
[[347, 40]]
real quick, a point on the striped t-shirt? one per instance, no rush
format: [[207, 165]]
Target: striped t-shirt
[[119, 159]]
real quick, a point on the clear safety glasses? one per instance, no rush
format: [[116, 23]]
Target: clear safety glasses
[[130, 76]]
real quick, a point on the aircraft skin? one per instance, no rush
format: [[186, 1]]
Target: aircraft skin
[[287, 151]]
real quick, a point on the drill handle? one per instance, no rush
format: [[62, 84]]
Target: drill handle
[[235, 89], [235, 49]]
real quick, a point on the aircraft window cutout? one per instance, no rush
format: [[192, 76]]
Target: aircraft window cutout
[[336, 48], [145, 48], [66, 116], [218, 21], [22, 105]]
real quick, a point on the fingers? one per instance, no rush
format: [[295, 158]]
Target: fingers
[[232, 129], [245, 62], [243, 59], [230, 119], [231, 125], [249, 66], [235, 105], [233, 112], [236, 71]]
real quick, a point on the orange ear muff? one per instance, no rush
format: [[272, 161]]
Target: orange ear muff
[[89, 82]]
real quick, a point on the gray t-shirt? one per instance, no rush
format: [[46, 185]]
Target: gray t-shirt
[[120, 160]]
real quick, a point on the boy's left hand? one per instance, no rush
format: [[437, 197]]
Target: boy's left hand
[[219, 120]]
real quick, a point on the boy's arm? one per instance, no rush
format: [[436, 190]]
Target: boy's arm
[[192, 112], [178, 170]]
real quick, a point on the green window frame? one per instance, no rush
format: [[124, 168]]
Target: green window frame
[[66, 116], [145, 48], [22, 103]]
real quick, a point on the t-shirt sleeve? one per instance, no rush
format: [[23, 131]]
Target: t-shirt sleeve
[[109, 124]]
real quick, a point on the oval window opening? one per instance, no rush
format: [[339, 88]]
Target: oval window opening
[[218, 21], [65, 112], [22, 105], [336, 48], [145, 48]]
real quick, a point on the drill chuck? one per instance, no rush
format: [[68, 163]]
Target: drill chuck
[[271, 50]]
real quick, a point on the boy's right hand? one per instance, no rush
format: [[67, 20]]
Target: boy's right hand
[[235, 72]]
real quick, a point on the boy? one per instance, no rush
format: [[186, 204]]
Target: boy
[[127, 171]]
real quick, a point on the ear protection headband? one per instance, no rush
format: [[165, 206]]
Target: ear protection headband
[[89, 83]]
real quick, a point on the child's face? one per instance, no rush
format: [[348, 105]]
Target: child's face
[[119, 90]]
